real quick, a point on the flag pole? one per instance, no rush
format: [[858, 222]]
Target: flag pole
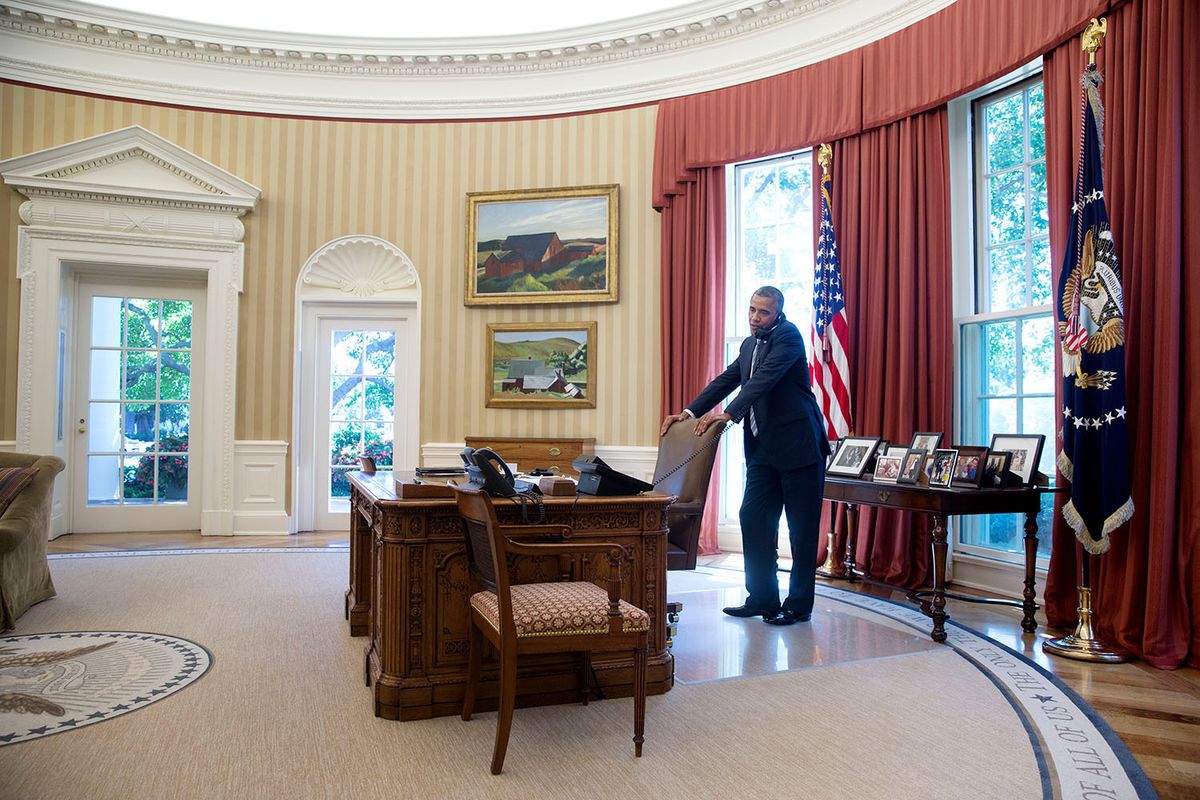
[[1083, 644], [827, 570]]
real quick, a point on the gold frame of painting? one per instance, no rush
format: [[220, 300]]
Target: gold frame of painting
[[494, 398]]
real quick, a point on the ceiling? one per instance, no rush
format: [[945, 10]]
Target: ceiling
[[411, 20]]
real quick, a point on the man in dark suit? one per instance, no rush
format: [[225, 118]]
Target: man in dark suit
[[786, 449]]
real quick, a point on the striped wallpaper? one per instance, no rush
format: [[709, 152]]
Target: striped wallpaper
[[406, 183]]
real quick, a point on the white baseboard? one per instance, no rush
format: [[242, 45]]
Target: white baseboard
[[992, 578], [8, 446], [632, 460], [729, 540], [260, 486]]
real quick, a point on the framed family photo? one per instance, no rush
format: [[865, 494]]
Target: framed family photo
[[887, 468], [941, 467], [541, 365], [925, 440], [911, 465], [970, 467], [852, 455], [542, 246], [1026, 450], [995, 475]]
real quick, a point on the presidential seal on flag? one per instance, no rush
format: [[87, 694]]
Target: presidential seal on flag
[[1094, 450]]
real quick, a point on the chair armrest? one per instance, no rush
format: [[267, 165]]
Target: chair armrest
[[535, 530], [686, 509]]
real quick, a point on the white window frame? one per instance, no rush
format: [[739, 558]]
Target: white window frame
[[986, 569]]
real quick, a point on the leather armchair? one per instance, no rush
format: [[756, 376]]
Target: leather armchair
[[689, 484]]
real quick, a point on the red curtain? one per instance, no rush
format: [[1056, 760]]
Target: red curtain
[[891, 214], [1147, 592], [693, 306]]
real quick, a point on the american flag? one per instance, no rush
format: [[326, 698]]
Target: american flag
[[828, 366]]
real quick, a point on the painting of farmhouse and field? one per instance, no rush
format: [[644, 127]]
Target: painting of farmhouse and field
[[541, 365], [542, 246]]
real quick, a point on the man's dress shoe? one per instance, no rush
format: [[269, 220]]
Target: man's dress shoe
[[785, 617], [749, 611]]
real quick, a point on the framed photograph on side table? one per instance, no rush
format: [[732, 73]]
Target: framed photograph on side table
[[970, 466], [924, 440], [941, 469], [910, 466], [1026, 449], [887, 468], [852, 456], [995, 475]]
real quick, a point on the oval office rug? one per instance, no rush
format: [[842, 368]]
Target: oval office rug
[[56, 682], [860, 704]]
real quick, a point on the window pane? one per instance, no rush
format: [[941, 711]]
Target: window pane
[[1001, 358], [347, 353], [174, 422], [346, 397], [339, 484], [103, 479], [141, 375], [1001, 418], [106, 322], [1040, 289], [177, 323], [345, 443], [1038, 415], [139, 427], [760, 196], [1007, 277], [105, 377], [175, 378], [794, 245], [758, 256], [138, 480], [1006, 204], [1039, 221], [141, 323], [380, 352], [1037, 349], [795, 183], [378, 443], [380, 397], [1037, 123], [172, 479], [1004, 121], [104, 427]]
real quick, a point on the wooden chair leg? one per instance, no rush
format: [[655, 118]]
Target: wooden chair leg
[[585, 676], [474, 657], [639, 698], [508, 700]]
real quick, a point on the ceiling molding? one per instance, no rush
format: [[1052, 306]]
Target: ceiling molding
[[692, 48]]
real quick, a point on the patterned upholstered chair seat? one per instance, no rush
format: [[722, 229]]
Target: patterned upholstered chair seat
[[559, 609]]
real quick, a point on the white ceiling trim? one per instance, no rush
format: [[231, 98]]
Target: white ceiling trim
[[577, 70]]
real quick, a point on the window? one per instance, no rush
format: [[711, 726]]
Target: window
[[771, 242], [1006, 345]]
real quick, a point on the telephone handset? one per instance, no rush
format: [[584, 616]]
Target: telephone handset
[[762, 335], [489, 473]]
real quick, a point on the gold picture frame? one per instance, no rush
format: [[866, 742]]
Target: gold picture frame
[[541, 365], [535, 246]]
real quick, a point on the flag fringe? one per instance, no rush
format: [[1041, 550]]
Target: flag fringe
[[1115, 520], [1063, 462]]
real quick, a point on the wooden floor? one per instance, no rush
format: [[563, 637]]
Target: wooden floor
[[1156, 712]]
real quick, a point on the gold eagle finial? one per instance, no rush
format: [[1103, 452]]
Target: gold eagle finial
[[1093, 37], [825, 156]]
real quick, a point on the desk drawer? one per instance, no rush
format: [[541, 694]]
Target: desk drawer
[[537, 453]]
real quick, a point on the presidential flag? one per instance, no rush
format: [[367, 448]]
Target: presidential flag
[[1094, 449], [828, 367]]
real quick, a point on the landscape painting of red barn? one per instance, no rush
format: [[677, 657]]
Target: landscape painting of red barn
[[542, 246], [541, 365]]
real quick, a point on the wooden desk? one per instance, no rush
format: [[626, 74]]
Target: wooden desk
[[940, 503], [409, 558]]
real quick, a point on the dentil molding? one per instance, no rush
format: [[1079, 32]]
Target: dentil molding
[[691, 48]]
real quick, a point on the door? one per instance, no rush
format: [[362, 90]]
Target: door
[[358, 361], [139, 363]]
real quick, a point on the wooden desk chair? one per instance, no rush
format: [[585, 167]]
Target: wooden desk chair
[[570, 616], [689, 483]]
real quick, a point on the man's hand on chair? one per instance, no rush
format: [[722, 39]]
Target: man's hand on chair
[[671, 420], [711, 418]]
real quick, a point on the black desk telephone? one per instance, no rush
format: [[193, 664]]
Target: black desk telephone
[[488, 472]]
